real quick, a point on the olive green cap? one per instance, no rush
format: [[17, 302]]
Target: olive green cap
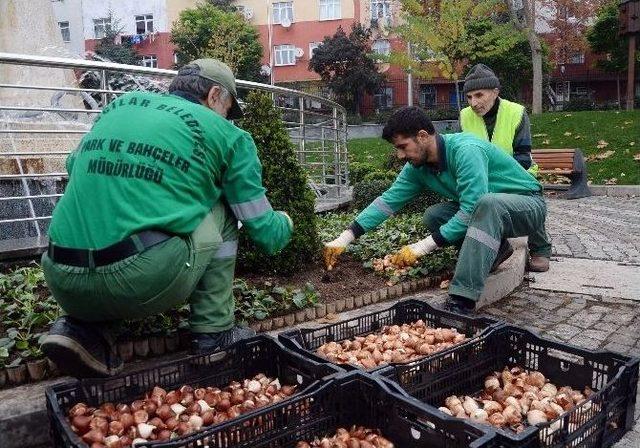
[[219, 72]]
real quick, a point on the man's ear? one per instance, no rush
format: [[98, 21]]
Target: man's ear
[[422, 134], [212, 96]]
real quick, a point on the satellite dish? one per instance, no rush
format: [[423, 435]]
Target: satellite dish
[[265, 70], [299, 52], [248, 13], [286, 23]]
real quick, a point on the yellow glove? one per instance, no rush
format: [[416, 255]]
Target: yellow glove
[[404, 257], [333, 249], [330, 255], [408, 255]]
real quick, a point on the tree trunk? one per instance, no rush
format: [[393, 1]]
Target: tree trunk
[[619, 97], [528, 24], [536, 60]]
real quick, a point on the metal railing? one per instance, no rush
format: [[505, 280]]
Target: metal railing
[[316, 125]]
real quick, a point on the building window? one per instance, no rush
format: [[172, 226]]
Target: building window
[[64, 30], [313, 46], [383, 99], [100, 27], [427, 95], [144, 24], [381, 46], [285, 54], [330, 10], [380, 9], [149, 60], [577, 58], [282, 11]]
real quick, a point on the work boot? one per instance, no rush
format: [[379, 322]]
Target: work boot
[[504, 252], [538, 263], [460, 305], [80, 349], [203, 343]]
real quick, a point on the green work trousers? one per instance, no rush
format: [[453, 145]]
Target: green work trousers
[[496, 216], [198, 269]]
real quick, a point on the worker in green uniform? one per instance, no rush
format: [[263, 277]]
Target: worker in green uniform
[[491, 198], [150, 216], [502, 122]]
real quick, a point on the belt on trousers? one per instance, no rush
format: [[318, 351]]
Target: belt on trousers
[[90, 258]]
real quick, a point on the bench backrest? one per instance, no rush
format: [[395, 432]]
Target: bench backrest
[[553, 159]]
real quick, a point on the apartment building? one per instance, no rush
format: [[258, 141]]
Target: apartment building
[[145, 23]]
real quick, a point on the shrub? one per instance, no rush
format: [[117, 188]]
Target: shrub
[[388, 176], [287, 189], [366, 191], [577, 104], [442, 114], [358, 170]]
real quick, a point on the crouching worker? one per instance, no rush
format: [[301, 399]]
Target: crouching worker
[[149, 219], [492, 197]]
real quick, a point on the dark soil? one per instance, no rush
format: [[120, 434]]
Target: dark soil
[[347, 279]]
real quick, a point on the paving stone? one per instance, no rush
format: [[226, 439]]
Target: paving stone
[[598, 335], [618, 348], [585, 342], [564, 331]]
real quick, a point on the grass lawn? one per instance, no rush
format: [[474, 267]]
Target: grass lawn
[[617, 131], [369, 150], [614, 136]]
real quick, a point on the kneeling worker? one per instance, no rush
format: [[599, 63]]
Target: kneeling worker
[[492, 198], [149, 219]]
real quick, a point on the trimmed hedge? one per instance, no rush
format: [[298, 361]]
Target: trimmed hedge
[[287, 189]]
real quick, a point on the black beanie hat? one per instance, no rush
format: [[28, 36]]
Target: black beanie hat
[[480, 77]]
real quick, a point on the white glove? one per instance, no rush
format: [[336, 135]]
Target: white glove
[[423, 247], [343, 240], [333, 249]]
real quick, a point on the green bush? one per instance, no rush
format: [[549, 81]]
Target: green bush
[[358, 170], [442, 114], [366, 191], [388, 176], [287, 189], [577, 104]]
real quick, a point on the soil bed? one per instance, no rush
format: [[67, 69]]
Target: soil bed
[[348, 279]]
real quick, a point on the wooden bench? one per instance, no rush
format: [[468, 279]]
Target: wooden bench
[[565, 162]]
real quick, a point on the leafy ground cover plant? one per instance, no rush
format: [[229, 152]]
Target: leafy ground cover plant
[[388, 238]]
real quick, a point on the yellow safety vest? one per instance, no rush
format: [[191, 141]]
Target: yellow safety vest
[[507, 121]]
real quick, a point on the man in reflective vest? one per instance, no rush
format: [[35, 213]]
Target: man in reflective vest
[[149, 219], [503, 123], [490, 198], [489, 117]]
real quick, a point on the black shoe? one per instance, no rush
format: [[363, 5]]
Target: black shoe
[[460, 305], [504, 252], [79, 349], [211, 342]]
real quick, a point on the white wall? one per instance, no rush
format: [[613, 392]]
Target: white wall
[[71, 11], [124, 11]]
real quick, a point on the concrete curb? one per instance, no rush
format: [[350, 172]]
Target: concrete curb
[[508, 276], [619, 191]]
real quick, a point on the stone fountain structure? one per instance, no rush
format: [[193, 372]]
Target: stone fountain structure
[[29, 27]]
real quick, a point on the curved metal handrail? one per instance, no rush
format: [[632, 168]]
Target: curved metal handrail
[[68, 63]]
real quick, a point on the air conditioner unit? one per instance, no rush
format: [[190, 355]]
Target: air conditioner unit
[[248, 13], [265, 70], [299, 52], [286, 23]]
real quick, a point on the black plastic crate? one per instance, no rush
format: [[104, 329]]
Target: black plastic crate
[[307, 341], [355, 398], [244, 359], [597, 423]]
